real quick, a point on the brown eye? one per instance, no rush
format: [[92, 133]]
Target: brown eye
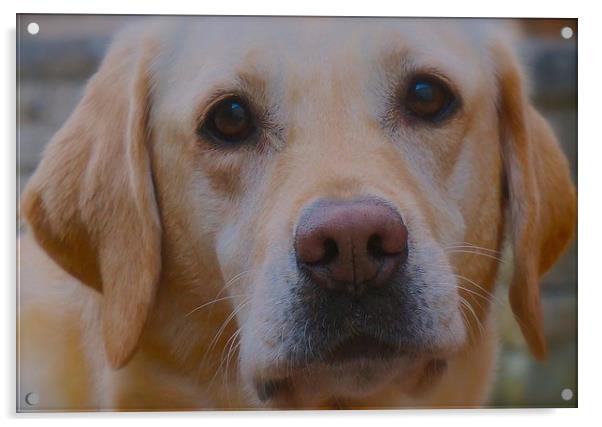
[[230, 120], [429, 99]]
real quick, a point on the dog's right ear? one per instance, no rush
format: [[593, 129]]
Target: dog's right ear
[[541, 196], [91, 202]]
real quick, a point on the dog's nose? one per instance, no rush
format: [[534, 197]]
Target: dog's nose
[[351, 245]]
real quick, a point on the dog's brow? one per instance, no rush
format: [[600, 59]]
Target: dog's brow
[[247, 83], [400, 63], [253, 84], [396, 61]]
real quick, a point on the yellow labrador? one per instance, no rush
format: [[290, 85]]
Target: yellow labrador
[[288, 212]]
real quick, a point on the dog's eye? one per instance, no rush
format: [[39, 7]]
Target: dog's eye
[[230, 120], [429, 99]]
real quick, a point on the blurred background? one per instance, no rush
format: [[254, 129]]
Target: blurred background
[[54, 64]]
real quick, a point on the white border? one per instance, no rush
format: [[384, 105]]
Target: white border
[[590, 141]]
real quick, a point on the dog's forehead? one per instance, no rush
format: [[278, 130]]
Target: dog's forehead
[[322, 35], [201, 55]]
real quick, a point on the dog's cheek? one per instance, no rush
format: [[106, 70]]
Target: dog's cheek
[[441, 298], [266, 329]]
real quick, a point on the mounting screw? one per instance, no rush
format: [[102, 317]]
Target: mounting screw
[[32, 399]]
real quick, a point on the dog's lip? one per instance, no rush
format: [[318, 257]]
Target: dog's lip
[[346, 351]]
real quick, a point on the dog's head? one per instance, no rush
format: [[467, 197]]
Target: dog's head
[[342, 184]]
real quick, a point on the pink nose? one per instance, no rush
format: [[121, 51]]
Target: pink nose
[[351, 245]]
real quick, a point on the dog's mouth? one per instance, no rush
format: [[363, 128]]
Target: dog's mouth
[[349, 357]]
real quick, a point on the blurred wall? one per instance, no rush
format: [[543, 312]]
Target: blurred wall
[[552, 63], [54, 65]]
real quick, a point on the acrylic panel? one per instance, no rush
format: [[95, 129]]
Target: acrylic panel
[[221, 212]]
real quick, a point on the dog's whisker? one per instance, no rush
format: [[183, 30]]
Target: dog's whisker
[[493, 297], [471, 292], [467, 245], [488, 299], [217, 298], [235, 349], [220, 331], [226, 322], [466, 323], [489, 294], [225, 368], [212, 302], [465, 320], [471, 252], [234, 280], [466, 304], [219, 371]]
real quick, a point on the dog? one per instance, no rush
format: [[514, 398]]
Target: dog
[[288, 213]]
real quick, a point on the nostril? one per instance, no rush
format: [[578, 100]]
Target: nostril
[[375, 246], [317, 251], [331, 250]]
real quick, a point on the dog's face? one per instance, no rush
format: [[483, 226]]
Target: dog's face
[[341, 183]]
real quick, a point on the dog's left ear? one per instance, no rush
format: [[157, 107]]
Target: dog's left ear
[[542, 201], [91, 202]]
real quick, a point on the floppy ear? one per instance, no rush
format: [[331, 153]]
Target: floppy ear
[[542, 200], [91, 203]]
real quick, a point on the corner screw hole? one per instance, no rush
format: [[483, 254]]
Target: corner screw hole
[[566, 33], [32, 399], [33, 28], [566, 394]]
